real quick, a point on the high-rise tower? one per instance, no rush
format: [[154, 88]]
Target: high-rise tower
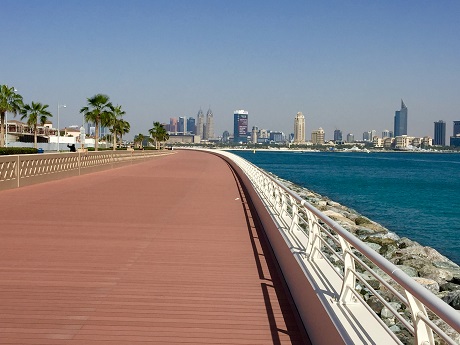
[[240, 126], [401, 121], [456, 128], [200, 124], [439, 133], [299, 128], [191, 125], [182, 125], [338, 136], [209, 132]]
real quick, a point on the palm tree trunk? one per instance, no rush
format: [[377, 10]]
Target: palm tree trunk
[[114, 139], [35, 135], [2, 131], [96, 134]]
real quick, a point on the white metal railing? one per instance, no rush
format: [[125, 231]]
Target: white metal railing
[[318, 237], [19, 170]]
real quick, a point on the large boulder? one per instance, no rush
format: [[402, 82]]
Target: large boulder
[[429, 284], [440, 275], [453, 299]]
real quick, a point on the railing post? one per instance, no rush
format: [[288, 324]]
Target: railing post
[[348, 285], [79, 163], [314, 237], [423, 333], [283, 205], [18, 171], [295, 218]]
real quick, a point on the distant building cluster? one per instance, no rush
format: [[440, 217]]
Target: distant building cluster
[[200, 129], [397, 139]]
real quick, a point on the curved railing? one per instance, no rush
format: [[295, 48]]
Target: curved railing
[[22, 170], [317, 237]]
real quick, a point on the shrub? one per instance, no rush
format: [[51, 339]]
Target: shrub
[[17, 150]]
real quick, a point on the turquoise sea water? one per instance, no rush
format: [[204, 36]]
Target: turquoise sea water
[[416, 195]]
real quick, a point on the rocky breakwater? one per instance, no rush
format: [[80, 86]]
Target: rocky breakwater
[[424, 264]]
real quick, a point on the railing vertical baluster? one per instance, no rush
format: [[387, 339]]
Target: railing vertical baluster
[[348, 285], [295, 217], [18, 171], [314, 238], [423, 334]]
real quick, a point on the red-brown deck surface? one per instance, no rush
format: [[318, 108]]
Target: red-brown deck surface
[[161, 252]]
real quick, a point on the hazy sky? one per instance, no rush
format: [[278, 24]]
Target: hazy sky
[[344, 64]]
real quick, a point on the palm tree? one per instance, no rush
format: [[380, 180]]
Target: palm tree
[[139, 139], [111, 119], [9, 101], [122, 127], [35, 113], [97, 110], [158, 134]]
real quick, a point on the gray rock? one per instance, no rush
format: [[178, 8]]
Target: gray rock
[[446, 265], [375, 304], [449, 287], [370, 279], [453, 299], [395, 328], [382, 241], [410, 271], [452, 333], [386, 313], [429, 284], [388, 251], [456, 278], [392, 235], [404, 242], [389, 321], [333, 203], [376, 247], [437, 274], [362, 231], [422, 252]]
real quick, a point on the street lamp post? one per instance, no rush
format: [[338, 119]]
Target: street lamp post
[[58, 128]]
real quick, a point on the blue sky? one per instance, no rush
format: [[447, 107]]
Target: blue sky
[[344, 64]]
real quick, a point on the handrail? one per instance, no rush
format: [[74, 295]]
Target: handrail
[[21, 170], [292, 213]]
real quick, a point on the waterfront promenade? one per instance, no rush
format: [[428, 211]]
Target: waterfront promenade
[[160, 252]]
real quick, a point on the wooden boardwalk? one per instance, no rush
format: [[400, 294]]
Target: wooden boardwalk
[[161, 252]]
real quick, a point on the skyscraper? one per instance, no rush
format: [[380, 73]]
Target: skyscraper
[[299, 128], [350, 138], [182, 126], [209, 132], [338, 136], [254, 132], [367, 136], [240, 126], [456, 128], [173, 124], [191, 125], [439, 133], [200, 124], [401, 121]]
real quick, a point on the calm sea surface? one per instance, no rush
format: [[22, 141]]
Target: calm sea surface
[[416, 195]]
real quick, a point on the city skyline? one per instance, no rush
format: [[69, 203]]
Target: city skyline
[[300, 127], [344, 65]]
